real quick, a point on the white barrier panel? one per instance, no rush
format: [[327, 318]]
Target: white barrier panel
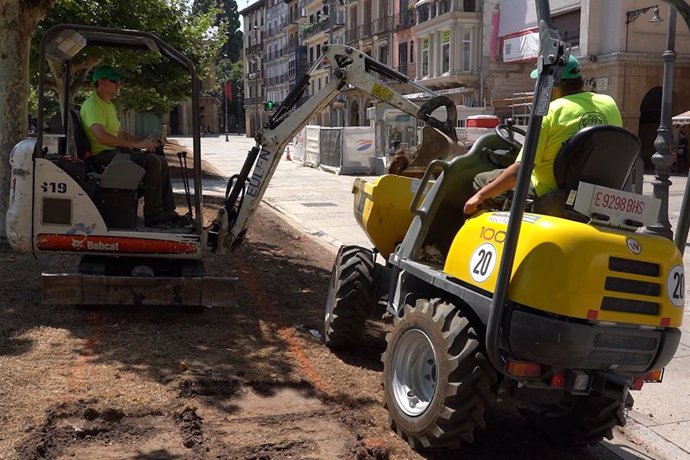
[[359, 150], [299, 147], [311, 157]]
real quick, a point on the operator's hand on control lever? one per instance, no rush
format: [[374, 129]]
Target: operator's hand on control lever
[[504, 182], [147, 144], [472, 205]]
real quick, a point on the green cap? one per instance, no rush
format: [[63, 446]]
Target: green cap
[[105, 71], [569, 71]]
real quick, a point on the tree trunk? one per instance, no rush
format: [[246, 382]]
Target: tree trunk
[[18, 20]]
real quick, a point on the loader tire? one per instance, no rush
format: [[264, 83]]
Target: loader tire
[[580, 420], [350, 297], [437, 380]]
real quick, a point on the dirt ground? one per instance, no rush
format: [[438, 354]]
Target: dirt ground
[[249, 382]]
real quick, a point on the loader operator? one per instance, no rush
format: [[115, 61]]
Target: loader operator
[[102, 127], [572, 108]]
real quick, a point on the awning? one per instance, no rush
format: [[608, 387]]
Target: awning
[[682, 119]]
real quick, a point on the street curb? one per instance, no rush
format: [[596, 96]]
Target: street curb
[[656, 445], [323, 239]]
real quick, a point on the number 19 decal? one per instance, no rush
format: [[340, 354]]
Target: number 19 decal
[[482, 262], [675, 286]]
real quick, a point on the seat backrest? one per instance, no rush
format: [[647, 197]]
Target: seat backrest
[[81, 142], [601, 155]]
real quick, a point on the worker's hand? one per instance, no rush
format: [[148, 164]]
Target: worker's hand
[[472, 204], [146, 144]]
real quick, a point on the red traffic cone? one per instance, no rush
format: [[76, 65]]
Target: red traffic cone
[[287, 156]]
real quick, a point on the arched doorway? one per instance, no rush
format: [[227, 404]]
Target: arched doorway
[[354, 113], [650, 115]]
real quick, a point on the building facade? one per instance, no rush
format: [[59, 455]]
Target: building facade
[[255, 82], [480, 52]]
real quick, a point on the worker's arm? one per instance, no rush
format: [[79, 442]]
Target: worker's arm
[[504, 182], [122, 139]]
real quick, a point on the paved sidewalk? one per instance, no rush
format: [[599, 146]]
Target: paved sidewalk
[[320, 203]]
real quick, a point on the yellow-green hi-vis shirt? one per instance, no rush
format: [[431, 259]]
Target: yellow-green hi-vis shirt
[[95, 110], [566, 116]]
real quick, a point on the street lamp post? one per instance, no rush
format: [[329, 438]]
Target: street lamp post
[[631, 16], [225, 98], [662, 158]]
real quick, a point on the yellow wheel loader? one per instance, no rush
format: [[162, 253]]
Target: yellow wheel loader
[[562, 305]]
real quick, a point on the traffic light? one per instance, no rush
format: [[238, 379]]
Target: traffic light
[[269, 105]]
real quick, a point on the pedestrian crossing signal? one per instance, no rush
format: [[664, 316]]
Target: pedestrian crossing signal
[[270, 105]]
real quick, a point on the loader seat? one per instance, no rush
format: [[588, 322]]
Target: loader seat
[[601, 155], [81, 142]]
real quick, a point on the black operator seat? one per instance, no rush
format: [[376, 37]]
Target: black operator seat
[[121, 173], [601, 155]]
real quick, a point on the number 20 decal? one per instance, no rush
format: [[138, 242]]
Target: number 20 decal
[[675, 286], [482, 262]]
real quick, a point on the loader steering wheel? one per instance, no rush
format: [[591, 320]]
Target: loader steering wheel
[[506, 132]]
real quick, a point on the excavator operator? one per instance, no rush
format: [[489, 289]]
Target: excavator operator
[[102, 127]]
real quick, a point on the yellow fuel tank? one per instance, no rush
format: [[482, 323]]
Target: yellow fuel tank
[[575, 270]]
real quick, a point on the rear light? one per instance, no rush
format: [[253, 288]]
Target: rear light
[[523, 369], [558, 380], [637, 384], [655, 376]]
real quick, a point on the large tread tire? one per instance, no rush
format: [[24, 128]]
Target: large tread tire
[[580, 420], [458, 387], [350, 297]]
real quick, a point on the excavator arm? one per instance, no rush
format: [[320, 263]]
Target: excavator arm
[[351, 68]]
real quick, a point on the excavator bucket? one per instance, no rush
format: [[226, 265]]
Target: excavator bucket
[[435, 146]]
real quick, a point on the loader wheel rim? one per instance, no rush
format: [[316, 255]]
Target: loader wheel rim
[[414, 372]]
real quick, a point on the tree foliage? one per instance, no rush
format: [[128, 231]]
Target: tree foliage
[[229, 66], [152, 82], [228, 16]]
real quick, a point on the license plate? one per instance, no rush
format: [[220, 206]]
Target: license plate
[[616, 207]]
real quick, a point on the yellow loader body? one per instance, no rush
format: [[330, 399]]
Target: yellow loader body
[[561, 266], [574, 269]]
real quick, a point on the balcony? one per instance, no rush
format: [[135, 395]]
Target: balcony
[[272, 81], [351, 35], [315, 28], [254, 75], [383, 25], [364, 31], [254, 49], [436, 8], [252, 101], [277, 54], [275, 30], [404, 20]]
